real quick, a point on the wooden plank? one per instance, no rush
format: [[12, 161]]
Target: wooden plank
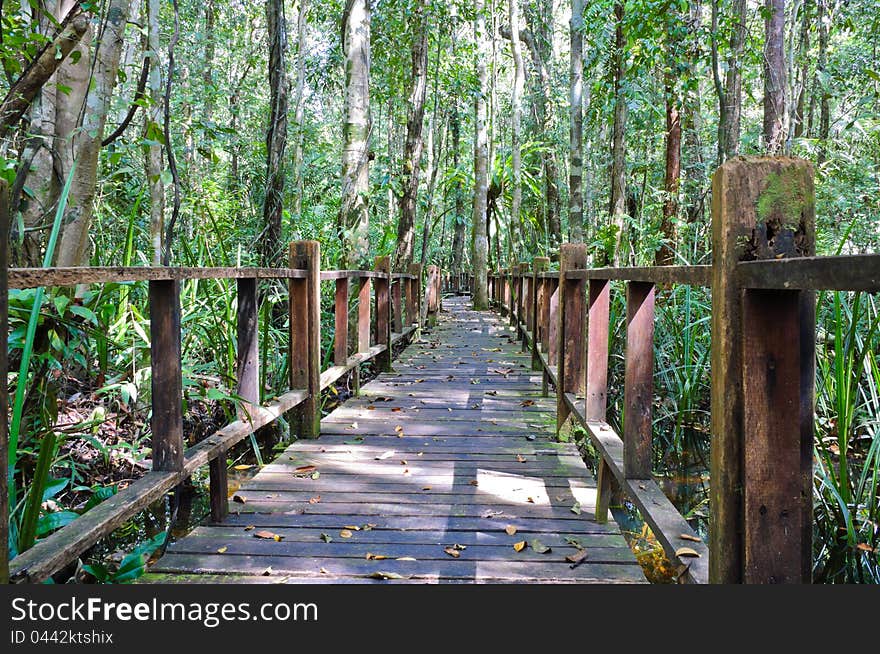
[[535, 303], [751, 197], [778, 425], [364, 302], [166, 381], [340, 321], [396, 306], [639, 380], [852, 272], [305, 336], [689, 275], [73, 276], [383, 312]]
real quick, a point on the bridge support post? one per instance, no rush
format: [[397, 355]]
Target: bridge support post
[[397, 304], [540, 264], [414, 300], [166, 380], [305, 337], [363, 325], [525, 277], [762, 376], [572, 323], [552, 332], [597, 382], [638, 380], [383, 311], [340, 321]]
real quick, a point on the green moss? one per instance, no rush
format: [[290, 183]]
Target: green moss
[[784, 199]]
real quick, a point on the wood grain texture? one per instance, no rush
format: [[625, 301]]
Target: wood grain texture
[[638, 380], [305, 336], [407, 471], [340, 322], [166, 381], [572, 323]]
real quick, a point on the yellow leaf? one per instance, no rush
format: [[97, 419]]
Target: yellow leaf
[[352, 527], [690, 538], [268, 535], [249, 528], [345, 533], [242, 467], [451, 551], [520, 546], [686, 551], [375, 557], [222, 550], [510, 529]]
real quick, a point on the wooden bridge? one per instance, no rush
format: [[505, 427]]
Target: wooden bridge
[[446, 467]]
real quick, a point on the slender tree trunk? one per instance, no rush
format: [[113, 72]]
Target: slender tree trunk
[[822, 18], [208, 69], [73, 245], [730, 93], [412, 156], [665, 256], [152, 133], [479, 241], [798, 118], [354, 218], [459, 219], [515, 124], [298, 167], [694, 168], [774, 76], [276, 136], [576, 117], [617, 210]]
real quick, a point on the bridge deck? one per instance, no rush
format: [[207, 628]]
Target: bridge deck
[[419, 479]]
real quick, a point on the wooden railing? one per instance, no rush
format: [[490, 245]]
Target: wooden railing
[[397, 299], [762, 281]]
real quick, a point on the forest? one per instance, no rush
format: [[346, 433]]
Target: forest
[[467, 134]]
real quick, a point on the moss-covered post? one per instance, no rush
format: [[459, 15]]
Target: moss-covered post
[[762, 376]]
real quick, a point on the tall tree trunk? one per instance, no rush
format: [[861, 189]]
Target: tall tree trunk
[[298, 168], [354, 218], [479, 240], [208, 69], [665, 256], [691, 122], [774, 76], [576, 118], [73, 245], [617, 210], [412, 155], [823, 19], [730, 92], [798, 118], [515, 125], [276, 135], [152, 133], [459, 219]]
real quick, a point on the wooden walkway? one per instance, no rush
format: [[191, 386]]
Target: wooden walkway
[[420, 479]]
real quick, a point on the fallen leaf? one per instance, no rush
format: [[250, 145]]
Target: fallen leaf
[[345, 533], [385, 455], [375, 557], [396, 409], [369, 526], [574, 542], [473, 482], [576, 509], [371, 408], [352, 527], [690, 538], [403, 462], [864, 547], [324, 571], [425, 488], [451, 551], [315, 475], [326, 538], [249, 528], [520, 546], [530, 500], [222, 550], [576, 559], [268, 535], [539, 547], [686, 551], [267, 571], [315, 500], [398, 429], [520, 458], [510, 529], [527, 403], [239, 499], [491, 392], [379, 574], [243, 466]]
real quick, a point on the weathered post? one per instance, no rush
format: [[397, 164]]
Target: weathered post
[[305, 336], [597, 381], [363, 325], [552, 333], [383, 311], [572, 325], [638, 380], [414, 300], [397, 304], [340, 322], [166, 380], [433, 293], [540, 264], [525, 276], [762, 376], [515, 280]]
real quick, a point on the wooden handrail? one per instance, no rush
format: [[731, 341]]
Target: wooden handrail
[[171, 463]]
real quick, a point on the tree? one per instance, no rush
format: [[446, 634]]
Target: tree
[[774, 75], [276, 135], [153, 138], [354, 218], [730, 92], [666, 254], [479, 238], [576, 118], [412, 155], [617, 210], [515, 124]]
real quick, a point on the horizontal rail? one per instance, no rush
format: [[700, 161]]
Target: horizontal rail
[[856, 272], [690, 275], [334, 373], [34, 277], [50, 554]]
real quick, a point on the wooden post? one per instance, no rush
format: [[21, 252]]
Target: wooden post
[[397, 304], [305, 337], [340, 320], [597, 381], [363, 327], [639, 380], [524, 299], [540, 264], [552, 334], [761, 208], [166, 378], [416, 291], [572, 328], [383, 312], [5, 215], [514, 298]]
